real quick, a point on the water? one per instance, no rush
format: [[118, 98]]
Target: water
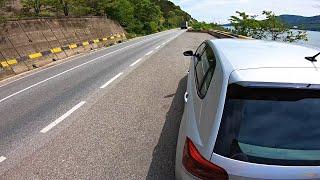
[[313, 38]]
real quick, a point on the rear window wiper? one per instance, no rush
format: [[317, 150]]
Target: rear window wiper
[[313, 58]]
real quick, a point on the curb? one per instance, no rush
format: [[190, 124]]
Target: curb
[[5, 64]]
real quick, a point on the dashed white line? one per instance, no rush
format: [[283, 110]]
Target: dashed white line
[[60, 119], [149, 53], [135, 62], [111, 80], [76, 67], [158, 47], [2, 158]]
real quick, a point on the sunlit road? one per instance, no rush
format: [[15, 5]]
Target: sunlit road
[[110, 114]]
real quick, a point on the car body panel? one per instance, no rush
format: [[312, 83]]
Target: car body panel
[[244, 170], [237, 62], [277, 75], [246, 54]]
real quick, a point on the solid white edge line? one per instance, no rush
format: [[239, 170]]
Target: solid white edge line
[[2, 158], [61, 118], [111, 80], [149, 53], [76, 67], [83, 55], [135, 62]]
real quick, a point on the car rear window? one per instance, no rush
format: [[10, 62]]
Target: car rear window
[[270, 126]]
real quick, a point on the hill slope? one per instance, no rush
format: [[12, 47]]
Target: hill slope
[[307, 23], [136, 16]]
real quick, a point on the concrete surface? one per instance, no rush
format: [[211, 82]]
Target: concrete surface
[[125, 131], [24, 37]]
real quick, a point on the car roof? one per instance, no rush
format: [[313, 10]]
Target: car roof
[[245, 54], [266, 61]]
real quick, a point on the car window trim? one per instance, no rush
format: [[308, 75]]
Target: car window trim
[[196, 64], [202, 96]]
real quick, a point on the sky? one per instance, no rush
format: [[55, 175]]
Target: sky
[[219, 11]]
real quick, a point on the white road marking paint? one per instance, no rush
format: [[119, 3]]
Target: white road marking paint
[[2, 158], [74, 58], [111, 80], [76, 67], [149, 53], [135, 62], [60, 119], [158, 47]]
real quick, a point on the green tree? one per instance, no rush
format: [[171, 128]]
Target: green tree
[[149, 14], [32, 4], [123, 12], [2, 3], [247, 25], [172, 20], [200, 26], [270, 28], [136, 16]]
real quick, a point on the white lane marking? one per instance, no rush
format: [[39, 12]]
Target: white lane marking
[[111, 80], [60, 119], [135, 62], [149, 53], [84, 55], [158, 47], [2, 158], [76, 67]]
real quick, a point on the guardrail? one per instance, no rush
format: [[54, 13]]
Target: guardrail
[[222, 34]]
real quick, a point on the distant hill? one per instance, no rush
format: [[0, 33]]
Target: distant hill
[[301, 22]]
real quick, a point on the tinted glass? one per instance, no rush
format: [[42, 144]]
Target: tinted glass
[[209, 64], [200, 49], [271, 126], [204, 70]]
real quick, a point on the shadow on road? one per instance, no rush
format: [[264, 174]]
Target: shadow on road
[[163, 160]]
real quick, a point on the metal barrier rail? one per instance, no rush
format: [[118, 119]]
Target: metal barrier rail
[[226, 34], [222, 34]]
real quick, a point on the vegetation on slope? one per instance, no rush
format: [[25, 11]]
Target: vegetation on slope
[[203, 26], [136, 16]]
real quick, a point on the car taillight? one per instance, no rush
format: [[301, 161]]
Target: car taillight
[[198, 166]]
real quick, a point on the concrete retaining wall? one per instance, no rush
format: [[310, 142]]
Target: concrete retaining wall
[[27, 44]]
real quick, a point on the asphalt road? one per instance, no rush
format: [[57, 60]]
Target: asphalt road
[[110, 114]]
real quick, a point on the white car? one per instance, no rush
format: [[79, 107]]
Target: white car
[[252, 112]]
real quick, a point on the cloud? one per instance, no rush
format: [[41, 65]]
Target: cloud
[[220, 10]]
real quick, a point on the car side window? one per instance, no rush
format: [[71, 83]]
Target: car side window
[[200, 50], [204, 70]]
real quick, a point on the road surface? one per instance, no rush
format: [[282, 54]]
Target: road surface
[[110, 114]]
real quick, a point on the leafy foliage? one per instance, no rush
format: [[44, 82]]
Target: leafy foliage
[[200, 26], [172, 14], [137, 16], [2, 2], [270, 28]]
